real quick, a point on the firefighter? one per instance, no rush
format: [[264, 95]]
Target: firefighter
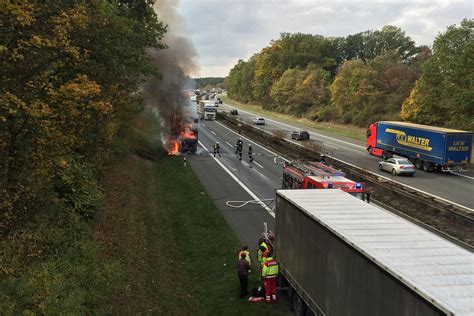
[[217, 149], [250, 153], [262, 247], [239, 146], [270, 276]]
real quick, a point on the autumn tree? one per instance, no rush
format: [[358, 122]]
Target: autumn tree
[[239, 81], [444, 95], [370, 44], [301, 90], [365, 93], [70, 72]]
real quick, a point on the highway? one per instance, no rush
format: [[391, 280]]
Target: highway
[[457, 188], [228, 179]]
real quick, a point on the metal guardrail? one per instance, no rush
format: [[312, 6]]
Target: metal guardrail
[[453, 220]]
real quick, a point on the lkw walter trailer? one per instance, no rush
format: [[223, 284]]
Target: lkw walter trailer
[[427, 147], [339, 255]]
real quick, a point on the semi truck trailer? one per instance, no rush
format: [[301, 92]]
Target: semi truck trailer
[[208, 110], [339, 255], [427, 147]]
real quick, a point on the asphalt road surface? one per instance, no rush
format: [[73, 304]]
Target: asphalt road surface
[[227, 179], [457, 188]]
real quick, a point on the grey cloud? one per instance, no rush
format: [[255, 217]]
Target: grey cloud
[[225, 31]]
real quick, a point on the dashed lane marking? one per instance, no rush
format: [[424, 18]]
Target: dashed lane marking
[[257, 164], [253, 142], [213, 133]]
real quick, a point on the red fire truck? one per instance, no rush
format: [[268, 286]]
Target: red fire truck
[[315, 175]]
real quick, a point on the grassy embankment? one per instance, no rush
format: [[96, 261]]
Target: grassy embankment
[[176, 250], [350, 131]]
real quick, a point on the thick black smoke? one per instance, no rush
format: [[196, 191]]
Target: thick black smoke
[[167, 93]]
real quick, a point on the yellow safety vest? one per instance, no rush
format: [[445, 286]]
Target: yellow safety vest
[[270, 268], [259, 255]]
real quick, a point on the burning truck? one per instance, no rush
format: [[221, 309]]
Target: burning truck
[[184, 135]]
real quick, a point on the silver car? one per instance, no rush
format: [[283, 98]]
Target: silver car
[[397, 166], [259, 121]]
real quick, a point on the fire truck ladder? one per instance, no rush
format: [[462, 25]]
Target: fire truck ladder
[[319, 167], [313, 171]]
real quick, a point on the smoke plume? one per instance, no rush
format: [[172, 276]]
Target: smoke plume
[[175, 63]]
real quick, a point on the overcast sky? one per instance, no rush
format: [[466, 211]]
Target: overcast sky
[[224, 31]]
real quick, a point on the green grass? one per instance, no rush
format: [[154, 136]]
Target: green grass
[[176, 250], [349, 131]]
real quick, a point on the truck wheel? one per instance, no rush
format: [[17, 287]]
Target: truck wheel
[[370, 150], [427, 166], [384, 155], [299, 306], [419, 164]]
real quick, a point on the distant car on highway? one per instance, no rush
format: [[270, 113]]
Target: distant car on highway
[[300, 135], [259, 121], [234, 112], [397, 166]]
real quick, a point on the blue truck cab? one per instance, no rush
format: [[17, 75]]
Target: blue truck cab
[[427, 147]]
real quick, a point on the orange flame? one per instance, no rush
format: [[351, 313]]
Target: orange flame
[[174, 148], [187, 132]]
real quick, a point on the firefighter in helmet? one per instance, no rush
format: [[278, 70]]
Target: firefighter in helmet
[[250, 153], [239, 146], [217, 149]]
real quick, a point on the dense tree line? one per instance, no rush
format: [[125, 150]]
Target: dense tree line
[[69, 71], [208, 81], [363, 77]]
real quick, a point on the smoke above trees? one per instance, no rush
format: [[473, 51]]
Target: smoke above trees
[[167, 92]]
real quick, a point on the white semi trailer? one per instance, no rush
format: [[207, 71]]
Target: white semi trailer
[[339, 255]]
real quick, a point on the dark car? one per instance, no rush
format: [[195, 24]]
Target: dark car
[[300, 135], [234, 112]]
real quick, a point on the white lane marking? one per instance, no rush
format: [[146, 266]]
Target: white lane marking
[[462, 175], [249, 140], [202, 124], [229, 144], [253, 195], [257, 164], [311, 132], [372, 172], [213, 133]]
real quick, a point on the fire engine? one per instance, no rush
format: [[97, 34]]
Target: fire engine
[[315, 175]]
